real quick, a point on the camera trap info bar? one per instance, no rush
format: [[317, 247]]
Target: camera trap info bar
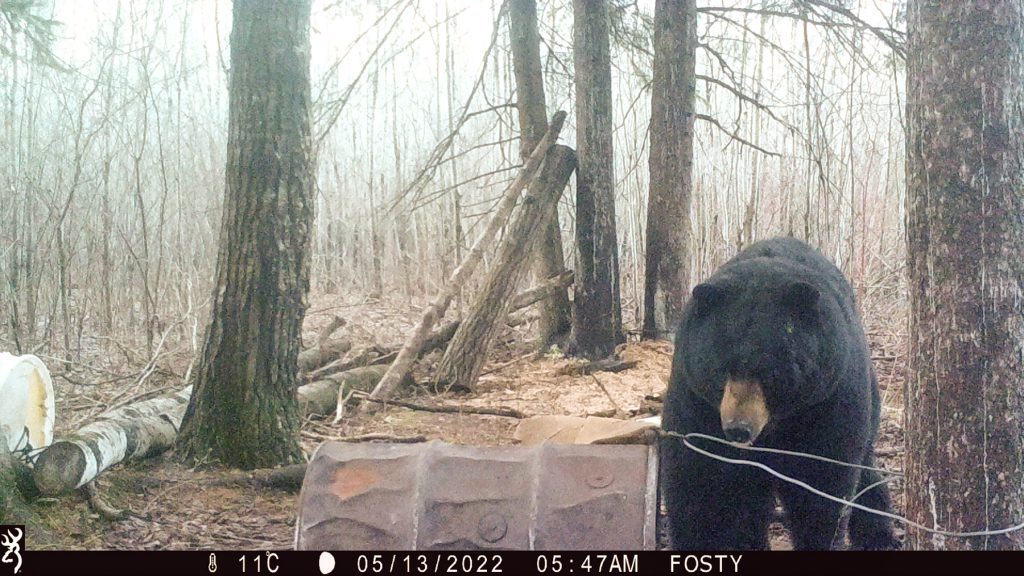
[[439, 496]]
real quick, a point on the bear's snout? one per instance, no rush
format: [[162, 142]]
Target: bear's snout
[[743, 410], [739, 432]]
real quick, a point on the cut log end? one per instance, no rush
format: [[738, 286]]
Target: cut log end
[[322, 354], [60, 468]]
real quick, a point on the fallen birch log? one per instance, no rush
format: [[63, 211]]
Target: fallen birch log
[[436, 310], [132, 432], [148, 428]]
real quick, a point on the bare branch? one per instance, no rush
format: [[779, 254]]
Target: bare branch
[[891, 37], [732, 134], [440, 151], [745, 98], [332, 110]]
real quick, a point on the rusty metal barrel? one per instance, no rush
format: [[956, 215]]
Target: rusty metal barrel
[[435, 495]]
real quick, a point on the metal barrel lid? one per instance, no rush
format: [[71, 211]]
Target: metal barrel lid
[[441, 496]]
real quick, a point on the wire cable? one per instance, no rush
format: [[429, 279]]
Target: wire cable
[[685, 440]]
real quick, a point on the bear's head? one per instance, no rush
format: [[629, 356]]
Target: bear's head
[[756, 341]]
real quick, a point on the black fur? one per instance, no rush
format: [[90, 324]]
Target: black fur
[[779, 313]]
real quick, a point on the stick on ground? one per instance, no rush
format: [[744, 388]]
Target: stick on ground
[[506, 412]]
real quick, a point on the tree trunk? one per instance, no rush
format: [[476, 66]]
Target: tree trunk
[[147, 428], [597, 312], [555, 319], [965, 239], [244, 411], [467, 352], [667, 271]]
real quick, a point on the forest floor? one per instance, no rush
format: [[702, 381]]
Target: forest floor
[[173, 507]]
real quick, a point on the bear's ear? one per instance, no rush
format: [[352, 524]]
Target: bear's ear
[[706, 297], [801, 296]]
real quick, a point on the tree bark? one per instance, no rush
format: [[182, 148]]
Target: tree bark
[[667, 271], [244, 411], [965, 239], [555, 318], [435, 311], [468, 350], [597, 312]]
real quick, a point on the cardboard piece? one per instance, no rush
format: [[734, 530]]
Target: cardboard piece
[[584, 430]]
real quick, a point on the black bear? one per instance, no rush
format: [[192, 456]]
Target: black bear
[[770, 352]]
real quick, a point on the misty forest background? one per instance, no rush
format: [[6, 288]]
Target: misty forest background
[[114, 139]]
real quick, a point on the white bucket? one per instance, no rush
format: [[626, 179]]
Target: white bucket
[[26, 402]]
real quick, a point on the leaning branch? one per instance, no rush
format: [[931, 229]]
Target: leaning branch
[[505, 412], [436, 310], [541, 291]]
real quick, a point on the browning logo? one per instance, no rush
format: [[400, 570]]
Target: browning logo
[[10, 543]]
